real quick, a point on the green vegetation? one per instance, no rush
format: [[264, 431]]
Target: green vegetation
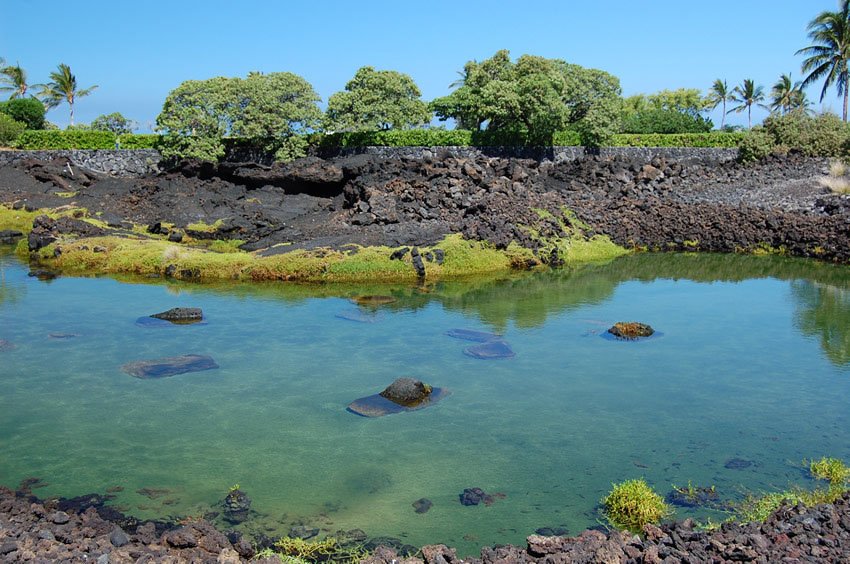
[[787, 96], [114, 122], [632, 504], [28, 111], [828, 56], [10, 130], [824, 135], [747, 95], [271, 111], [665, 121], [832, 470], [377, 100], [718, 95], [63, 88], [530, 100], [717, 139], [13, 79], [56, 139]]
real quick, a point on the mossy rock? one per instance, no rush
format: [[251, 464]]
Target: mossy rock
[[408, 392], [631, 330], [404, 396]]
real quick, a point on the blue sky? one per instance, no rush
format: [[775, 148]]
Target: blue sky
[[138, 51]]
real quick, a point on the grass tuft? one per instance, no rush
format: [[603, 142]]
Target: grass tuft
[[632, 504]]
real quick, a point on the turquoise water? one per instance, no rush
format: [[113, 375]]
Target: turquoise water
[[753, 363]]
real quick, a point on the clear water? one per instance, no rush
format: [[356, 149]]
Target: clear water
[[754, 363]]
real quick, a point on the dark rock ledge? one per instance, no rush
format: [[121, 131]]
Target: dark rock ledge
[[33, 530]]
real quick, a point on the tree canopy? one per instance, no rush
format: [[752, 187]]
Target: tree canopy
[[114, 122], [270, 110], [63, 88], [828, 55], [533, 98], [375, 100]]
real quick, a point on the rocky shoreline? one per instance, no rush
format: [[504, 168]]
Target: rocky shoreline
[[86, 529], [779, 205]]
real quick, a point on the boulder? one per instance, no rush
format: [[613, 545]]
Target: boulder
[[631, 330], [237, 504], [165, 367], [422, 505], [407, 392], [181, 315], [377, 405]]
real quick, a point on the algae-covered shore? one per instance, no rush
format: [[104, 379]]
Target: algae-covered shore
[[368, 217]]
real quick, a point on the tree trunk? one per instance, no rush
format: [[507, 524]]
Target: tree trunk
[[845, 97], [749, 116], [71, 105], [723, 117]]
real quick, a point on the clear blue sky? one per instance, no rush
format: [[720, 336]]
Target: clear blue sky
[[137, 51]]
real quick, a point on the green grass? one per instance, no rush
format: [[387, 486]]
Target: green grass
[[632, 504]]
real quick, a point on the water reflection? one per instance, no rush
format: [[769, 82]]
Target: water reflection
[[823, 312]]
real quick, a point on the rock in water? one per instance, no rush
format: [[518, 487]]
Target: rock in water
[[7, 345], [631, 330], [377, 405], [737, 464], [422, 505], [490, 350], [407, 392], [469, 335], [165, 367], [237, 504], [359, 315], [181, 315]]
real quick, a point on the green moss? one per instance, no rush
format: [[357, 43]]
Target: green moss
[[833, 470], [205, 227], [19, 220], [632, 504]]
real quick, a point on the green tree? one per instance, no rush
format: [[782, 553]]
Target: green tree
[[829, 53], [377, 100], [786, 95], [14, 79], [63, 88], [684, 100], [718, 95], [747, 95], [531, 99], [271, 112], [114, 122], [25, 110]]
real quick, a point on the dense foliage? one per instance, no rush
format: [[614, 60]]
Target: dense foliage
[[532, 99], [83, 139], [824, 135], [114, 122], [665, 121], [716, 139], [375, 100], [10, 130], [273, 111], [28, 111]]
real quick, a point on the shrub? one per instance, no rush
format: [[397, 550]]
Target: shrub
[[28, 111], [73, 139], [633, 504], [833, 470], [114, 122], [822, 136], [714, 139], [139, 141], [10, 130], [665, 121], [755, 146]]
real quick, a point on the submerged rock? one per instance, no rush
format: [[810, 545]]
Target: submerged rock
[[559, 531], [378, 405], [693, 496], [237, 504], [9, 236], [181, 315], [630, 330], [474, 496], [165, 367], [422, 505], [737, 464], [407, 392], [469, 335], [7, 345], [490, 350]]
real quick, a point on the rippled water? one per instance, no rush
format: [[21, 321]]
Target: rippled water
[[753, 364]]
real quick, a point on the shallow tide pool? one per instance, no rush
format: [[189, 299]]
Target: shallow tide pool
[[753, 363]]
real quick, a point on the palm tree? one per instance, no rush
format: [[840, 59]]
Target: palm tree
[[14, 80], [786, 95], [719, 94], [63, 87], [746, 95], [829, 53]]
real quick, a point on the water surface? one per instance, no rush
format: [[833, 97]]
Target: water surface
[[753, 364]]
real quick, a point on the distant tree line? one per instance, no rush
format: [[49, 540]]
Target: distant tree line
[[528, 101]]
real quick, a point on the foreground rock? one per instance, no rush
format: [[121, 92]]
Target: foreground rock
[[404, 394], [181, 315], [84, 529], [165, 367], [631, 330]]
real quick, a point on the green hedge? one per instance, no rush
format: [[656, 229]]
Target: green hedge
[[398, 138], [50, 140], [713, 139]]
